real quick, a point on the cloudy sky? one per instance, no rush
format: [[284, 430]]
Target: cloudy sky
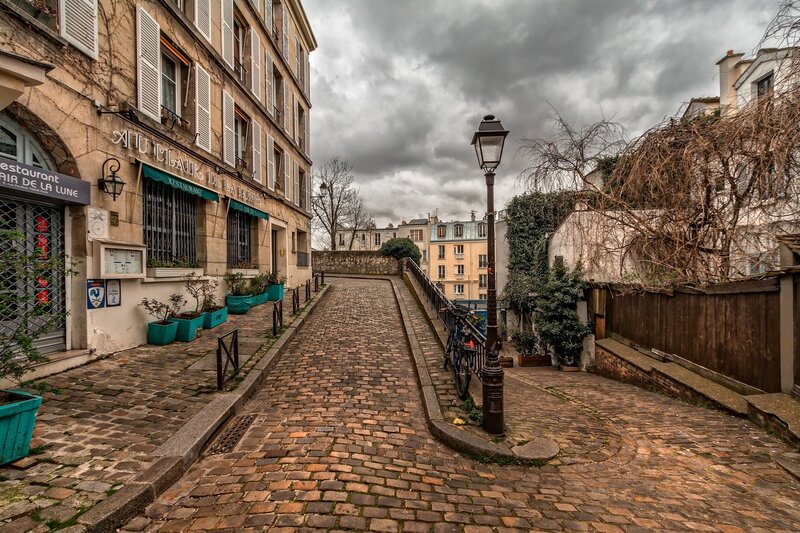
[[399, 86]]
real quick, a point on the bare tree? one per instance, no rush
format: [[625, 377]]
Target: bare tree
[[338, 206], [358, 217]]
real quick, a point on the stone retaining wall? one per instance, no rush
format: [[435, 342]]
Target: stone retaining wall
[[354, 262]]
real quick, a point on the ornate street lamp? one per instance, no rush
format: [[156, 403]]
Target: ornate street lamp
[[488, 142], [110, 183]]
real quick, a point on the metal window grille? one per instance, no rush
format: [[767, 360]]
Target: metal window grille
[[170, 223], [239, 238], [42, 230]]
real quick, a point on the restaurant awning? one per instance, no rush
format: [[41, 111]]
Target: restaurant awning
[[249, 210], [177, 183]]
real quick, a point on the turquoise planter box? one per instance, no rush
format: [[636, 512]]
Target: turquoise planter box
[[215, 318], [187, 327], [16, 425], [161, 334], [275, 293], [238, 305], [262, 298]]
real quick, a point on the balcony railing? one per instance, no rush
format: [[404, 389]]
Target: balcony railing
[[460, 256], [241, 70], [302, 259]]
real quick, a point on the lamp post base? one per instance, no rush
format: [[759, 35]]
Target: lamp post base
[[492, 378]]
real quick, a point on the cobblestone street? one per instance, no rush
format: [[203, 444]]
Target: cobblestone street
[[338, 441]]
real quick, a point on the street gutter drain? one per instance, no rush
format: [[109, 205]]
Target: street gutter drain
[[231, 435]]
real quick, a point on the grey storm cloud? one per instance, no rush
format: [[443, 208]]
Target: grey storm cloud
[[398, 86]]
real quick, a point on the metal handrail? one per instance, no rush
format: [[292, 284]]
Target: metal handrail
[[446, 311]]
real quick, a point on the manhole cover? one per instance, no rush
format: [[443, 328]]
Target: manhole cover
[[231, 435]]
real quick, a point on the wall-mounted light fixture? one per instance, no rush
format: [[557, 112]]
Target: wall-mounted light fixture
[[110, 183]]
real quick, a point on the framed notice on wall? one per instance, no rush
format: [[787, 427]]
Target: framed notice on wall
[[113, 293], [120, 260]]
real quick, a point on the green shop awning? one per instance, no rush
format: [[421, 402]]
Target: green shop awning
[[239, 206], [168, 179]]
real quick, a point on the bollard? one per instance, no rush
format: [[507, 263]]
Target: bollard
[[323, 278], [308, 290], [316, 282]]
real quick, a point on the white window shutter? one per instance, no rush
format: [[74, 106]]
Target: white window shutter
[[298, 59], [296, 178], [285, 31], [257, 171], [307, 77], [268, 14], [270, 163], [307, 146], [202, 109], [287, 178], [268, 86], [228, 134], [78, 21], [296, 132], [255, 63], [148, 51], [286, 107], [308, 190], [227, 31], [202, 17]]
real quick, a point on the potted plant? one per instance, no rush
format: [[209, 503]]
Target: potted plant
[[162, 330], [556, 317], [33, 316], [215, 314], [276, 289], [177, 268], [531, 350], [239, 300], [259, 288], [190, 321]]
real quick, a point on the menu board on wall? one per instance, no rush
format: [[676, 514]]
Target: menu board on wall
[[123, 261]]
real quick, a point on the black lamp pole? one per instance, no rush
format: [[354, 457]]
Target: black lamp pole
[[488, 142]]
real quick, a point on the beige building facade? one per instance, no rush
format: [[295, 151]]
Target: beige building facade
[[458, 259], [202, 110]]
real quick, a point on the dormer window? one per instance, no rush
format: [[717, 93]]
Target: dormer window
[[459, 230], [441, 231]]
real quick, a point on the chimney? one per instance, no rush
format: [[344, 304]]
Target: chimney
[[728, 74], [472, 215]]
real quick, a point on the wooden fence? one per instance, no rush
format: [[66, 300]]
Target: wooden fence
[[731, 328]]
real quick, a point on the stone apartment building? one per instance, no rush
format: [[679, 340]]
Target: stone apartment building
[[200, 108], [458, 258]]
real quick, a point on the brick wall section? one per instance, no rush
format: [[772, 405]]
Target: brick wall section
[[354, 262]]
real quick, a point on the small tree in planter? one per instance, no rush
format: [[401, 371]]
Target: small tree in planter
[[190, 321], [276, 289], [259, 286], [215, 314], [25, 318], [162, 331], [240, 299], [556, 317]]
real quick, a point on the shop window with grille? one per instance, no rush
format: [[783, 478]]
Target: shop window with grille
[[170, 225], [240, 243]]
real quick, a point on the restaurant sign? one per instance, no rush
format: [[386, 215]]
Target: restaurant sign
[[36, 181]]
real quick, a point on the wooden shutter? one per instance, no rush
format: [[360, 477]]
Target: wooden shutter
[[228, 133], [257, 172], [285, 32], [202, 109], [268, 15], [286, 107], [268, 87], [270, 163], [287, 178], [307, 76], [298, 60], [78, 21], [255, 63], [202, 17], [307, 146], [308, 189], [296, 131], [227, 31], [296, 178], [148, 51]]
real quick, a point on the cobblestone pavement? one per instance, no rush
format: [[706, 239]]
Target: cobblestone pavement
[[339, 441], [99, 423]]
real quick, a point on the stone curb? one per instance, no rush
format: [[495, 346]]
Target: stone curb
[[182, 449], [457, 439]]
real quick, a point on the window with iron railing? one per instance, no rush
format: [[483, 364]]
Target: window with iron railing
[[240, 243], [170, 223]]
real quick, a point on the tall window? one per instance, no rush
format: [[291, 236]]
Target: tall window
[[424, 255], [170, 83], [764, 86], [483, 261], [459, 230], [240, 131], [481, 230], [441, 251], [459, 250], [458, 289], [240, 243], [441, 231], [239, 31], [482, 280], [341, 239], [377, 239], [441, 272], [459, 270], [170, 224]]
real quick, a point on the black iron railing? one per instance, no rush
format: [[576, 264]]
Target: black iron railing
[[444, 308], [227, 344]]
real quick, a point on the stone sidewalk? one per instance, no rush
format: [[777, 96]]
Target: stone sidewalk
[[346, 447], [99, 423]]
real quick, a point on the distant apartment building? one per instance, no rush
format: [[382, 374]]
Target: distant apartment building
[[417, 230], [370, 238], [458, 258]]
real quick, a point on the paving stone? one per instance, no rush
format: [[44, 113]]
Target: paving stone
[[537, 449], [630, 459]]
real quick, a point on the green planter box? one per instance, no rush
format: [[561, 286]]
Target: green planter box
[[262, 298], [161, 334], [238, 305], [16, 425], [215, 318], [275, 293], [187, 327]]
